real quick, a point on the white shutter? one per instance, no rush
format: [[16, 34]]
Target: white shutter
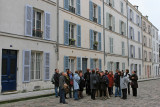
[[28, 20], [47, 26], [26, 65], [46, 66]]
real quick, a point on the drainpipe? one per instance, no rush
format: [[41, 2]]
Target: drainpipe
[[142, 46], [104, 36], [57, 43], [127, 34]]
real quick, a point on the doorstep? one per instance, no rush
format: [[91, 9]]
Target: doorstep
[[12, 97]]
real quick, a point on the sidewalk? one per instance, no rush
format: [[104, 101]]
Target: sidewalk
[[37, 94]]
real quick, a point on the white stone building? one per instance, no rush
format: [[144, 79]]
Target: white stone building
[[27, 44]]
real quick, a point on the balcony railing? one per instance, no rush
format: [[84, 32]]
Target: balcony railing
[[94, 47], [110, 28], [72, 42], [71, 9], [94, 19], [37, 33]]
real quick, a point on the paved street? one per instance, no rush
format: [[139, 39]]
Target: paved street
[[148, 96]]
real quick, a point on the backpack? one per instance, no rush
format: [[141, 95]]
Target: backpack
[[52, 80]]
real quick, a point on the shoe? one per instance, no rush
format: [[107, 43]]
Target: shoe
[[65, 103]]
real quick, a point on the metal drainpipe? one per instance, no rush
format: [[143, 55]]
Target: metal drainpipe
[[104, 37], [142, 45], [127, 33], [57, 43]]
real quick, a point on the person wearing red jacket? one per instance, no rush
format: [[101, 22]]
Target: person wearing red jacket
[[111, 82]]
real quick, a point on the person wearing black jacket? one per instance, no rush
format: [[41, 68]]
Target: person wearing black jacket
[[103, 82], [134, 83], [56, 79], [81, 84], [117, 84], [93, 83], [87, 80]]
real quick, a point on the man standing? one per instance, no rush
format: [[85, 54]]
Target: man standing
[[117, 84], [87, 79], [61, 87], [56, 79], [134, 83], [128, 76]]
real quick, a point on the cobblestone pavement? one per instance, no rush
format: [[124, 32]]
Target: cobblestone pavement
[[148, 96]]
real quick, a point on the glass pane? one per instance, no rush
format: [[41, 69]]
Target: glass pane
[[4, 52], [13, 52], [38, 65], [4, 66], [32, 65], [13, 66]]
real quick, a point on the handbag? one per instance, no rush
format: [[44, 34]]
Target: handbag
[[66, 88]]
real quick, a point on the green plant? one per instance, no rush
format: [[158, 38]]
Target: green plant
[[95, 43], [72, 39]]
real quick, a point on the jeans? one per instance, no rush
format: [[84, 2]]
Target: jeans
[[56, 91], [117, 91], [62, 95], [75, 94]]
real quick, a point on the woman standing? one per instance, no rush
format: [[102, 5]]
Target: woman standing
[[134, 83], [76, 85], [111, 82]]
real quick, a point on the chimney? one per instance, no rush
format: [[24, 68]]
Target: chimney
[[135, 6], [146, 17]]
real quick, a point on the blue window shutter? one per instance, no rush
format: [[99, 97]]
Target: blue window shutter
[[130, 50], [78, 7], [115, 67], [66, 4], [128, 13], [99, 15], [91, 39], [46, 66], [47, 26], [107, 21], [66, 63], [125, 29], [26, 65], [66, 32], [113, 3], [99, 42], [28, 20], [78, 63], [91, 64], [107, 1], [120, 26], [113, 24], [129, 32], [133, 34], [109, 66], [100, 65], [132, 16], [91, 10], [78, 36], [134, 51], [138, 36]]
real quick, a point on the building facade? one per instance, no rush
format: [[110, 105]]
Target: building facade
[[147, 48], [28, 38], [39, 36]]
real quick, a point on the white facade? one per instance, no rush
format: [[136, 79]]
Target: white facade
[[34, 47]]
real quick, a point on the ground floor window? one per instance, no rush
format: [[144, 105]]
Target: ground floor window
[[36, 64], [72, 65]]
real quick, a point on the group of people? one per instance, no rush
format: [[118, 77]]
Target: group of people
[[97, 84]]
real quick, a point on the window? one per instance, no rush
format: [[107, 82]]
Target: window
[[72, 65], [138, 20], [37, 23], [153, 33], [157, 48], [139, 37], [122, 29], [95, 40], [144, 26], [123, 49], [132, 51], [111, 3], [121, 3], [110, 22], [139, 69], [145, 41], [145, 55], [131, 33], [94, 12], [111, 44], [123, 67], [72, 6], [72, 34], [149, 29], [150, 56], [36, 63], [149, 42], [131, 15], [139, 53]]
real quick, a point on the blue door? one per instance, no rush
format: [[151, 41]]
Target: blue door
[[9, 70], [84, 65]]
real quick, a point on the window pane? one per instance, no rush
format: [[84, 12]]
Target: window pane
[[32, 65], [38, 63]]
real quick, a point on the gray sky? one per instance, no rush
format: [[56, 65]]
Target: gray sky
[[150, 8]]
